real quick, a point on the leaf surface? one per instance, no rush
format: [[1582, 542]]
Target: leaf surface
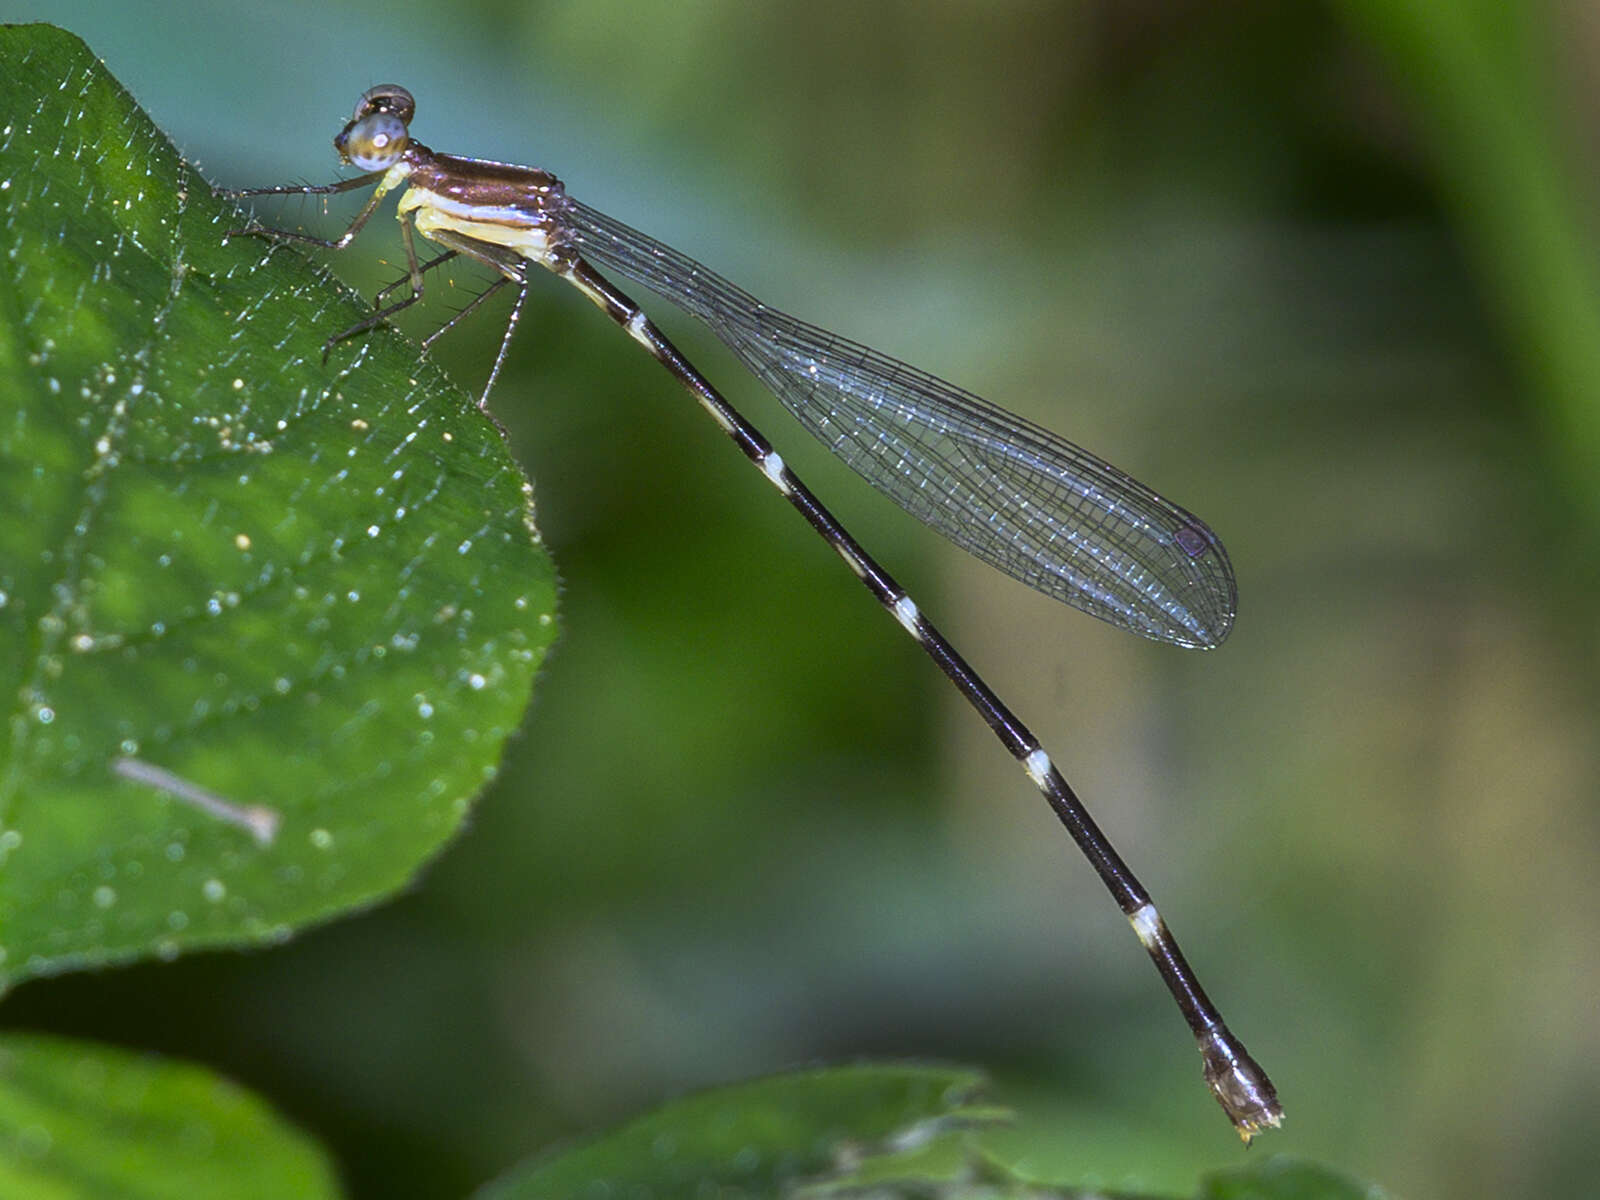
[[229, 573]]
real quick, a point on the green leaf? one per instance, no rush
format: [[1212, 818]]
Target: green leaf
[[866, 1132], [80, 1120], [229, 573], [761, 1138], [1274, 1179], [1283, 1178]]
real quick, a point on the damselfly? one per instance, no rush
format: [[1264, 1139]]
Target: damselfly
[[1015, 495]]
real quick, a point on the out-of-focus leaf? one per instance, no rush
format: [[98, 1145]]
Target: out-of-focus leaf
[[762, 1138], [1481, 74], [1283, 1178], [309, 591], [80, 1120], [864, 1132], [984, 1179]]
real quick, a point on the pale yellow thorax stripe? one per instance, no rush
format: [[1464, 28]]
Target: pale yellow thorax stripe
[[510, 228]]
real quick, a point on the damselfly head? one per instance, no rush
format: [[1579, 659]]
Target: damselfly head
[[376, 135]]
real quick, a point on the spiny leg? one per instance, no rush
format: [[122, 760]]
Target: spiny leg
[[414, 272], [324, 189], [456, 318], [513, 268], [505, 340], [413, 277], [377, 297], [1240, 1085], [303, 189]]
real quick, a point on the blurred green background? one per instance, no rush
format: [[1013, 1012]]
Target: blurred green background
[[1322, 273]]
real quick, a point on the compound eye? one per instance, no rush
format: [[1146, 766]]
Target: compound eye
[[375, 142], [386, 98]]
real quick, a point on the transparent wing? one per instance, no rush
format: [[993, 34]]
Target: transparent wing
[[1015, 495]]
